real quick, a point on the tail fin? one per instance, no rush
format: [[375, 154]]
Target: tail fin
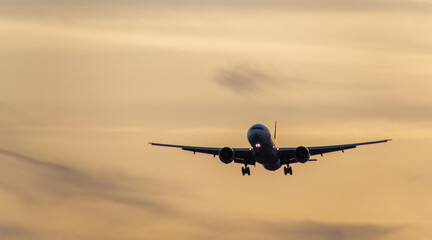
[[275, 130]]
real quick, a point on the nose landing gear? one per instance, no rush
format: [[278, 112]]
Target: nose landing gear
[[246, 170], [287, 170]]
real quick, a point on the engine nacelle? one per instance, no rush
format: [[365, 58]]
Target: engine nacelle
[[301, 154], [226, 155]]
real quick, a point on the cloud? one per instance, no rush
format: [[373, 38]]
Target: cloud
[[49, 9], [243, 79], [8, 231], [290, 4], [231, 227], [43, 182], [328, 231]]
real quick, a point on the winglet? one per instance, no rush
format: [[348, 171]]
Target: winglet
[[275, 130]]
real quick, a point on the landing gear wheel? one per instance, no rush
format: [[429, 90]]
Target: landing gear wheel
[[288, 170], [246, 170]]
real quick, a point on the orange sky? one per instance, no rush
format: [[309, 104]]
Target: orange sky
[[86, 84]]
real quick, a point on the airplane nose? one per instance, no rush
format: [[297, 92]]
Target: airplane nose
[[254, 137]]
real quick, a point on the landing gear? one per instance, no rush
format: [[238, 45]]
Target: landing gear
[[246, 170], [288, 170]]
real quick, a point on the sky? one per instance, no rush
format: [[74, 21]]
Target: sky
[[86, 84]]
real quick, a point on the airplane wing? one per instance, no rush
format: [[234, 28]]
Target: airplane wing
[[242, 155], [288, 153]]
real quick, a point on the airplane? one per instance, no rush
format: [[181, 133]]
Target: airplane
[[265, 151]]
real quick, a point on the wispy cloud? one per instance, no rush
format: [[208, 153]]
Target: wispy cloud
[[104, 6], [8, 231], [328, 231], [243, 79], [231, 227], [248, 78], [45, 182]]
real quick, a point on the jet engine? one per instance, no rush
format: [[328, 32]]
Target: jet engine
[[226, 155], [301, 154]]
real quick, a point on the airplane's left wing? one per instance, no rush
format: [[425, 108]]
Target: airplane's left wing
[[242, 155]]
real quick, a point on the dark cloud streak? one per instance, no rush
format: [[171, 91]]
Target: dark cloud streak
[[56, 167], [47, 182], [8, 231], [328, 231], [247, 79], [97, 8], [242, 79]]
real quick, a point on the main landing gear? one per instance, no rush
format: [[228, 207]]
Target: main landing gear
[[287, 170], [246, 170]]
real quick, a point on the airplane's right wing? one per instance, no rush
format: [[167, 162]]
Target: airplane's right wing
[[326, 149], [288, 153]]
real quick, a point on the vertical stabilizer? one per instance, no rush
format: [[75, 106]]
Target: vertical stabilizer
[[275, 130]]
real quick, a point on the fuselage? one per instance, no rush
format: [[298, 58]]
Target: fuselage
[[264, 148]]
